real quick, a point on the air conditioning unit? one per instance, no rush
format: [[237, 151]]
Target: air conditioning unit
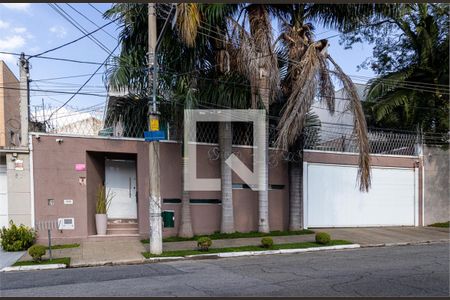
[[66, 223]]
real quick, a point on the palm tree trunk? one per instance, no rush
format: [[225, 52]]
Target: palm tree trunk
[[260, 29], [296, 187], [225, 144], [185, 229], [263, 195]]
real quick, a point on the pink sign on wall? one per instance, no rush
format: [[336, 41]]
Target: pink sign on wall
[[80, 167]]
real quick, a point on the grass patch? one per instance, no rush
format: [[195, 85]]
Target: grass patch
[[234, 235], [442, 225], [64, 246], [62, 260], [246, 248]]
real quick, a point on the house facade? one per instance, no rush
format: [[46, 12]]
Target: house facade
[[67, 171], [55, 179]]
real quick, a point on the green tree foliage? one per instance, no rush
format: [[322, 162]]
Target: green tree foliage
[[411, 57]]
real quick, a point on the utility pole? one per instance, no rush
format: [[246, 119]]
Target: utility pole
[[155, 195], [24, 97]]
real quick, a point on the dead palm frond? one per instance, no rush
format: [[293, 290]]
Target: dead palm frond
[[304, 89], [187, 16], [310, 77], [253, 55], [360, 127]]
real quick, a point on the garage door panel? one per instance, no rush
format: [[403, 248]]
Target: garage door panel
[[334, 199]]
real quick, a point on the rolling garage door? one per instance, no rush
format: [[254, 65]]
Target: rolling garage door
[[3, 198], [332, 197]]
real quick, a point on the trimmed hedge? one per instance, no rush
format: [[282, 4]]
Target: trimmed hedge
[[266, 242], [203, 243], [323, 238], [36, 252]]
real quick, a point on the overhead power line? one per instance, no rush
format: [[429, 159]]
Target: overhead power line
[[90, 21], [65, 15], [75, 40], [95, 8], [86, 82], [63, 77], [70, 60], [53, 91]]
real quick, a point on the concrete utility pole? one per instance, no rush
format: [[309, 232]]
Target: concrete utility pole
[[24, 99], [155, 195]]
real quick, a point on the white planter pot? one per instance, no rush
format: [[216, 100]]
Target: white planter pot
[[101, 222]]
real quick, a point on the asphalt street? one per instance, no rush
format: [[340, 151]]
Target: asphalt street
[[421, 270]]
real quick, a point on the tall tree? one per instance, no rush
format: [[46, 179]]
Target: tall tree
[[190, 48], [411, 59], [307, 75], [257, 60]]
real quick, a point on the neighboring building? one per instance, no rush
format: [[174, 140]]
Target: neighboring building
[[15, 187], [341, 115], [9, 108]]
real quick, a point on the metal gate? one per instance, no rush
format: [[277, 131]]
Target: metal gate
[[332, 197]]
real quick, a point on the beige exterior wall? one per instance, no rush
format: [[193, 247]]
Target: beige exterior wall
[[436, 185], [9, 107], [55, 178], [19, 183]]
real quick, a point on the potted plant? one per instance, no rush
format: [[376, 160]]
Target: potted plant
[[104, 198]]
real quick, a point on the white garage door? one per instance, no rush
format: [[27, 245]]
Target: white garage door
[[332, 197], [3, 198]]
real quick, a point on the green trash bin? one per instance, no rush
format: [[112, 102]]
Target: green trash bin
[[168, 217]]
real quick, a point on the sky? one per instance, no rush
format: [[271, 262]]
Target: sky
[[36, 27]]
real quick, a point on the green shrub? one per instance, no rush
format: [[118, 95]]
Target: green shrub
[[266, 242], [323, 238], [36, 252], [17, 238], [203, 243]]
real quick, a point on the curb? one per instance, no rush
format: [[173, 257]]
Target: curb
[[251, 253], [109, 263], [405, 243], [287, 251], [34, 267]]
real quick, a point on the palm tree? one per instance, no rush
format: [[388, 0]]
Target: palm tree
[[217, 85], [306, 75], [183, 49], [257, 61]]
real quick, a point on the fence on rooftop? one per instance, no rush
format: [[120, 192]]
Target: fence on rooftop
[[327, 137]]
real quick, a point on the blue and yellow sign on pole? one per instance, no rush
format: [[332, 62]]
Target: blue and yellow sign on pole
[[154, 134], [154, 123]]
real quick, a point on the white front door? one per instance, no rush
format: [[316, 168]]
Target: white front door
[[3, 198], [120, 179]]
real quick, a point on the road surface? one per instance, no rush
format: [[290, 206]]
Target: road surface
[[421, 270]]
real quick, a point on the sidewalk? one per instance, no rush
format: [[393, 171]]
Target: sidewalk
[[100, 252], [128, 250], [388, 235], [9, 258]]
